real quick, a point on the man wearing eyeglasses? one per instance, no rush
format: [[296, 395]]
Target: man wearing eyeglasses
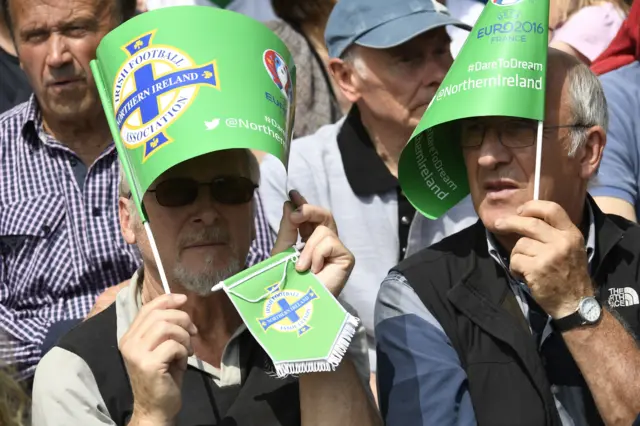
[[187, 358], [527, 317]]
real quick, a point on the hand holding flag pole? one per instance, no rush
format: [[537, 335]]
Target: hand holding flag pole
[[302, 222]]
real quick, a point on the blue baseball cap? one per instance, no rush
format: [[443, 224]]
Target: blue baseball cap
[[381, 24]]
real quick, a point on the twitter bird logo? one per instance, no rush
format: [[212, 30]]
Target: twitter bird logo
[[212, 124]]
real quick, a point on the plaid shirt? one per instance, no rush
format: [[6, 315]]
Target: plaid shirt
[[60, 242]]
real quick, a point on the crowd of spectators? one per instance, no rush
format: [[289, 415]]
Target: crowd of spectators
[[366, 70]]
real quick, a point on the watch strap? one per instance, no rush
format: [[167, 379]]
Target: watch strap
[[577, 318], [569, 322]]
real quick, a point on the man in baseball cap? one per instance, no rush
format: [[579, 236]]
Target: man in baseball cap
[[388, 58], [382, 24]]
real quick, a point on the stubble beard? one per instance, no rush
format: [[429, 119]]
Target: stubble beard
[[201, 283]]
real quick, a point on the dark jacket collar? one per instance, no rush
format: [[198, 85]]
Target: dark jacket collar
[[366, 172]]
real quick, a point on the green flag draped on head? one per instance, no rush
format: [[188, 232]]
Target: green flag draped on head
[[181, 82], [500, 71]]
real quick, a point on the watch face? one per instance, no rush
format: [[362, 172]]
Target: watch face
[[590, 310]]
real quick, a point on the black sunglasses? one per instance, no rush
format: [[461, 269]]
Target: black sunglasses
[[181, 192]]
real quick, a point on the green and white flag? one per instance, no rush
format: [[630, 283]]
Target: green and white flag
[[292, 315], [180, 82], [500, 71]]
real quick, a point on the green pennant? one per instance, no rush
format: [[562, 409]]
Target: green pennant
[[297, 321], [500, 71]]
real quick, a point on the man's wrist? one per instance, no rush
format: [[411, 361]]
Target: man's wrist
[[566, 309]]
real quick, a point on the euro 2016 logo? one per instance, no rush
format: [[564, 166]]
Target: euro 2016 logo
[[153, 88], [279, 72]]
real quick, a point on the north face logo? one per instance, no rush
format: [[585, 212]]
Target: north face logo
[[626, 296]]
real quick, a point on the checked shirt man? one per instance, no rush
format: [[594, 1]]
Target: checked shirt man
[[60, 244]]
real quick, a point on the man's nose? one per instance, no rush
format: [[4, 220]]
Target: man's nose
[[206, 207], [492, 152], [434, 71], [58, 54]]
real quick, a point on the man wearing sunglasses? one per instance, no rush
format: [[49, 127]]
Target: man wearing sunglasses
[[528, 316], [187, 358], [59, 242]]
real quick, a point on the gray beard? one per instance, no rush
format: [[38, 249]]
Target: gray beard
[[202, 283]]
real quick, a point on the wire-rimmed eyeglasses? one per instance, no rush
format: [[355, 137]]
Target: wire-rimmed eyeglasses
[[512, 133]]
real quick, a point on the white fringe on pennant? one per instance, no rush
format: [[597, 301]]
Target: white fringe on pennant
[[339, 349]]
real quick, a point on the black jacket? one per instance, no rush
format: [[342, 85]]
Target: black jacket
[[469, 294]]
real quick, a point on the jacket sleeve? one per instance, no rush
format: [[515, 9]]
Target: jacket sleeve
[[65, 393], [420, 379]]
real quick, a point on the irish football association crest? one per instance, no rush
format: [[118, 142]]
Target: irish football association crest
[[153, 88], [288, 311]]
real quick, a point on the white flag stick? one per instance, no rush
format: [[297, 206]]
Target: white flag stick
[[156, 256], [536, 182]]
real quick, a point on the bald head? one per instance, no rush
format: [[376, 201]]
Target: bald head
[[558, 58]]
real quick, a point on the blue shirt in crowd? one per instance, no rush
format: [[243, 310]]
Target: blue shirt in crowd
[[619, 174]]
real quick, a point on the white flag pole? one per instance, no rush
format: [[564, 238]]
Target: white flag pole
[[156, 256], [536, 182]]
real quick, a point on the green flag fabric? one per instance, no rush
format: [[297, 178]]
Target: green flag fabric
[[292, 315], [180, 82], [500, 71]]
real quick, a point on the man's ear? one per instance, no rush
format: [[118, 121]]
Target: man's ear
[[591, 153], [345, 76], [127, 221]]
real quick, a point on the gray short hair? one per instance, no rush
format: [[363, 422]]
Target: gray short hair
[[587, 102], [352, 57]]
